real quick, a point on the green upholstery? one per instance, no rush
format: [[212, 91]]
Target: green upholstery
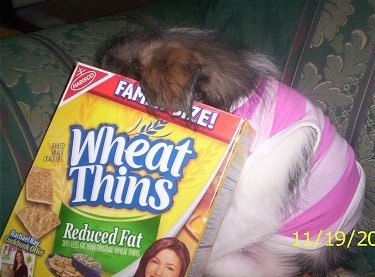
[[324, 48]]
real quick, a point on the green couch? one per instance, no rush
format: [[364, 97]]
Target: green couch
[[324, 48]]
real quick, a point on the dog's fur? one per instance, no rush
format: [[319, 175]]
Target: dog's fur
[[180, 65]]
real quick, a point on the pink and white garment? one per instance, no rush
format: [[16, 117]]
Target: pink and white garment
[[332, 199]]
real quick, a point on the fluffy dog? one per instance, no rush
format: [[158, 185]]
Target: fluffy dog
[[300, 185]]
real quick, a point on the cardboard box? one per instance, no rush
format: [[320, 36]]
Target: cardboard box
[[111, 178]]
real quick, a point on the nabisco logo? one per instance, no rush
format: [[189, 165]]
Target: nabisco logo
[[84, 78]]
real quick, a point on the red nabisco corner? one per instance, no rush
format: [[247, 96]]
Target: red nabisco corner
[[83, 79]]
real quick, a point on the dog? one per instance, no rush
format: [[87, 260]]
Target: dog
[[300, 185]]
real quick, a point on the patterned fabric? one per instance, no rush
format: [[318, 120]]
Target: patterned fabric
[[17, 151], [336, 71], [259, 25]]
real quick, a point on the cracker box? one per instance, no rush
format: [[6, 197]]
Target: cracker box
[[113, 184]]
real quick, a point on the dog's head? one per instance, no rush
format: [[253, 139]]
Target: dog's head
[[177, 66]]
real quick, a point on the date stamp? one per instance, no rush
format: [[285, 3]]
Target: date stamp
[[355, 238]]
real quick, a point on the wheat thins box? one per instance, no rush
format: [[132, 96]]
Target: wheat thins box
[[117, 185]]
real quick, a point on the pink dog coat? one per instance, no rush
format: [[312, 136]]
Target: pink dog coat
[[332, 199]]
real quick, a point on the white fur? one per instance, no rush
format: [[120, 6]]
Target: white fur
[[244, 246]]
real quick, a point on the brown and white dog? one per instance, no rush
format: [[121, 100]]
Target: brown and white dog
[[300, 186]]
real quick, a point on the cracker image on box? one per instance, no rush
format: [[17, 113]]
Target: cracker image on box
[[124, 176], [39, 185], [38, 219]]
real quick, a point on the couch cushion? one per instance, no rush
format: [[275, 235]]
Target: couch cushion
[[266, 26], [336, 71], [17, 150]]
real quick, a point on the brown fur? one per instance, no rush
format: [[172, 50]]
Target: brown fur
[[177, 66]]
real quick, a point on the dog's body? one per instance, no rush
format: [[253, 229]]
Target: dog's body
[[288, 183]]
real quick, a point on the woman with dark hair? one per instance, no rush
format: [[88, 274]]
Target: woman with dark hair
[[166, 257], [19, 268]]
